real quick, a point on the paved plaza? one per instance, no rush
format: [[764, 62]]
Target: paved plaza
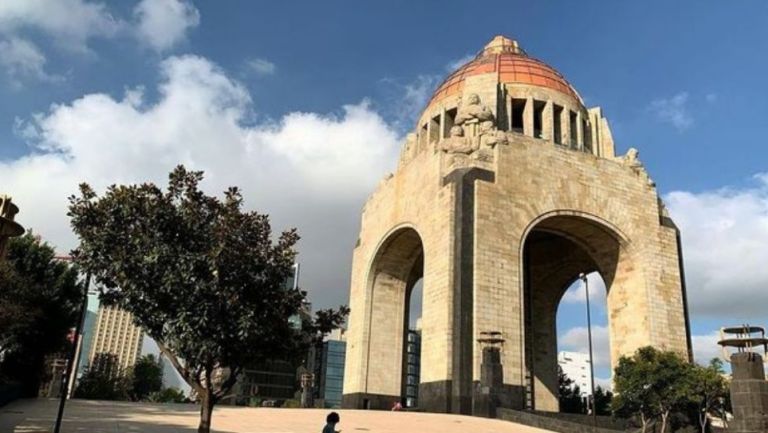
[[37, 416]]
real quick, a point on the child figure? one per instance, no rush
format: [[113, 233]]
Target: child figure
[[331, 420]]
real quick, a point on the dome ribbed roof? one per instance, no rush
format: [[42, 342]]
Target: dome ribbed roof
[[504, 57]]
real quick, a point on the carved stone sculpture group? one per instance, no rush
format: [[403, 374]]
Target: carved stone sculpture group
[[478, 118]]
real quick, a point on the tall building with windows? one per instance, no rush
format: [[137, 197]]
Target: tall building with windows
[[413, 368], [327, 364], [275, 380], [115, 333], [575, 365]]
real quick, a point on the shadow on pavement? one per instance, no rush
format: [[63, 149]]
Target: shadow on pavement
[[80, 416]]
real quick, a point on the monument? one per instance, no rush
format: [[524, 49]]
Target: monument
[[748, 389], [507, 191], [8, 227]]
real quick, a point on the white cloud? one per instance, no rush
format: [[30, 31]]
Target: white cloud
[[604, 382], [673, 110], [70, 22], [261, 66], [161, 24], [725, 247], [577, 340], [456, 64], [705, 347], [597, 293], [22, 60], [406, 100], [307, 170]]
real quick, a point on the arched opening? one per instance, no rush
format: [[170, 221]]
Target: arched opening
[[556, 250], [393, 358], [573, 344]]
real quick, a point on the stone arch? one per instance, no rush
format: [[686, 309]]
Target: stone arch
[[396, 266], [556, 247]]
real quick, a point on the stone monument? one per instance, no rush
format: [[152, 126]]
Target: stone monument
[[507, 190], [8, 227], [749, 389]]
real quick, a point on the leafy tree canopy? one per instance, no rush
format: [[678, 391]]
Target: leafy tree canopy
[[40, 298], [652, 385], [203, 277], [569, 394], [709, 391], [104, 380], [602, 401], [147, 377]]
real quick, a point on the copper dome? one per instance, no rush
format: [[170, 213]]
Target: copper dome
[[504, 57]]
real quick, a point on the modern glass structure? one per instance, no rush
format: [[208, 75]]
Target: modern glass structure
[[273, 381], [412, 368], [89, 329], [332, 373]]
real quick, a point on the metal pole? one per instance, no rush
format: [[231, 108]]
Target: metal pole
[[71, 360], [583, 278]]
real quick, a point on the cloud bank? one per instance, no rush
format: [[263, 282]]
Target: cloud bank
[[308, 170], [71, 24], [725, 239], [673, 110], [161, 24]]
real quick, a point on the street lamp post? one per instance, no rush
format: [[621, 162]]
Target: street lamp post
[[71, 361], [583, 278]]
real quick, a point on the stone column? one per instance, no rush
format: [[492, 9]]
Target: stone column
[[565, 127], [749, 393], [547, 127], [579, 131], [528, 117], [443, 132]]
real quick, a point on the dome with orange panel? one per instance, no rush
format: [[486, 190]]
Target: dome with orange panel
[[504, 57]]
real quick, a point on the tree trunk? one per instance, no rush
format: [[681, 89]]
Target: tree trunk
[[206, 411], [664, 415], [644, 421], [703, 421]]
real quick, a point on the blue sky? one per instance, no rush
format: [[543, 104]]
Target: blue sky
[[319, 94]]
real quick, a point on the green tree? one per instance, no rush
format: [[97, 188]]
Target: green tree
[[569, 394], [651, 385], [709, 390], [147, 377], [202, 277], [104, 380], [602, 401], [167, 395], [40, 299]]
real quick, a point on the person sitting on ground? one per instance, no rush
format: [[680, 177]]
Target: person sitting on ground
[[331, 420], [397, 407]]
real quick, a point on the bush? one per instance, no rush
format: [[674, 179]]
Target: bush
[[168, 395], [292, 404], [104, 380]]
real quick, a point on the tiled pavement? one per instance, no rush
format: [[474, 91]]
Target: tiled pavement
[[37, 416]]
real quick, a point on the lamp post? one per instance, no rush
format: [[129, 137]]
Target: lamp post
[[583, 278], [71, 361]]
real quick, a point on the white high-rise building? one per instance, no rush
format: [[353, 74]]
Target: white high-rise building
[[575, 365], [116, 334]]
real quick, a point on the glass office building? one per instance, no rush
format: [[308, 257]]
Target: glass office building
[[413, 368], [332, 373]]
